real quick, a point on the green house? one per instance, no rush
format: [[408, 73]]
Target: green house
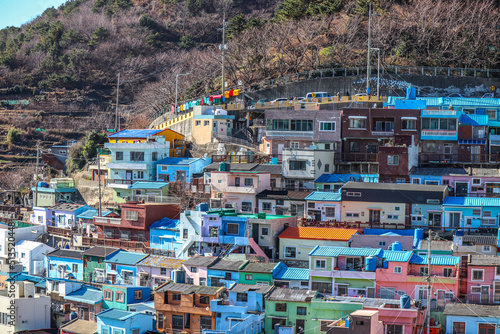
[[259, 273], [94, 268]]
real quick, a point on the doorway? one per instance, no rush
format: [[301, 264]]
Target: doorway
[[374, 216], [454, 219], [128, 175], [461, 188], [485, 294], [341, 290], [434, 219], [475, 152], [299, 326], [448, 148]]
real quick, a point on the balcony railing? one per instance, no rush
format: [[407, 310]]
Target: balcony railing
[[156, 199], [485, 299], [117, 243], [455, 158], [441, 133], [383, 133], [107, 221], [356, 157]]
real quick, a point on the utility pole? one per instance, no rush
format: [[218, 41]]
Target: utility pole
[[35, 202], [429, 288], [99, 176], [378, 71], [117, 117], [369, 47], [223, 47]]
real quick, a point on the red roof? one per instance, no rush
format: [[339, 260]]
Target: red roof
[[318, 233]]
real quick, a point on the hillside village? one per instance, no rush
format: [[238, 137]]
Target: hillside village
[[355, 213]]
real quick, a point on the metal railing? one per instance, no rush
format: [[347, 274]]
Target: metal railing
[[456, 158], [155, 199], [356, 157], [236, 141]]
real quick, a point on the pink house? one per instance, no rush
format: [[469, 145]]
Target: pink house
[[483, 279], [406, 273], [196, 269], [479, 182], [237, 189]]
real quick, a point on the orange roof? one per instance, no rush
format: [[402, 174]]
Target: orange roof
[[318, 233]]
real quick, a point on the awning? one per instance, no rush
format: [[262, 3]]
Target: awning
[[409, 118], [357, 116]]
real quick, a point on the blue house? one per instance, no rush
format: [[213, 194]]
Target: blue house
[[472, 212], [333, 182], [124, 322], [164, 235], [87, 301], [224, 273], [472, 319], [297, 278], [65, 263], [121, 267], [244, 312], [180, 169], [122, 296], [434, 175]]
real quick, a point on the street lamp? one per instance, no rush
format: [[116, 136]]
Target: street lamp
[[378, 71], [176, 83]]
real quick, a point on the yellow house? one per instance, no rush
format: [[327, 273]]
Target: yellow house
[[176, 140], [209, 122]]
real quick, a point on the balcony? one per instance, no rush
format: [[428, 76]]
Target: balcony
[[117, 243], [356, 157], [107, 221], [156, 199], [439, 135], [241, 189], [226, 306], [353, 274], [273, 133], [438, 158]]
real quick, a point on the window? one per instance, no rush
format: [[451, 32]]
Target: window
[[119, 296], [185, 233], [190, 281], [397, 208], [423, 271], [352, 214], [327, 168], [391, 216], [74, 268], [280, 307], [394, 329], [458, 327], [264, 231], [204, 300], [327, 126], [382, 244], [476, 212], [409, 124], [439, 124], [486, 249], [117, 331], [159, 320], [354, 146], [398, 270], [197, 123], [140, 174], [206, 123], [353, 194], [294, 144], [104, 329], [205, 322], [241, 297], [329, 212], [176, 297], [248, 182], [125, 235], [136, 156], [476, 181], [246, 206], [301, 310], [177, 322], [387, 293], [119, 156], [290, 252], [393, 159], [233, 229], [357, 122], [227, 276], [299, 124], [163, 271], [447, 272], [248, 277], [108, 295], [131, 215], [187, 320], [487, 329], [194, 269], [266, 206], [277, 321], [477, 275], [415, 181], [297, 165], [138, 294], [320, 264]]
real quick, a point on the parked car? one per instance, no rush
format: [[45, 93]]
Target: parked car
[[318, 95], [279, 99]]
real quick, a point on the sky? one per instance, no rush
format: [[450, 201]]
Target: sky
[[17, 12]]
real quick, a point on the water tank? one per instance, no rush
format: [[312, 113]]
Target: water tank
[[43, 185], [419, 234], [371, 263], [202, 207], [460, 233], [73, 315], [179, 276], [261, 215], [274, 161], [411, 93], [222, 167], [396, 246], [405, 301]]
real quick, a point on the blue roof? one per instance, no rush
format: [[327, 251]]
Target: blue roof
[[436, 260], [178, 161], [396, 256], [142, 133], [471, 201], [41, 284], [343, 178], [324, 196], [344, 251], [124, 257], [478, 120], [116, 314], [149, 185], [86, 294], [166, 223], [293, 274], [89, 214], [472, 101]]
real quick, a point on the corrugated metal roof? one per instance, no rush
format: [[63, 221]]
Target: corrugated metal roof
[[435, 260], [203, 261], [186, 289], [473, 310], [89, 214], [166, 223], [86, 294], [324, 196], [80, 326], [226, 265], [318, 233], [293, 274], [177, 161], [344, 251], [148, 185], [471, 201], [342, 178], [124, 257], [100, 251], [259, 267], [66, 253], [249, 287], [472, 102], [140, 133], [292, 295], [478, 120], [116, 314], [396, 256], [161, 262]]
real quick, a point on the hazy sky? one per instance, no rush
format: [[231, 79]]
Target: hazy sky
[[17, 12]]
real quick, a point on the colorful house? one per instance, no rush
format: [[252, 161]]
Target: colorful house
[[295, 278], [283, 202], [210, 122], [385, 238], [180, 169], [439, 135], [155, 270], [297, 242], [472, 318], [164, 235], [471, 212], [259, 273], [333, 182], [196, 268], [59, 190], [121, 297], [86, 302], [147, 191], [61, 215], [119, 321], [224, 273], [121, 267], [465, 244], [31, 255], [65, 263], [94, 268], [324, 206], [483, 279]]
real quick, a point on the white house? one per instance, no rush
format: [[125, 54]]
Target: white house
[[23, 233], [61, 215], [301, 166], [31, 255], [324, 206]]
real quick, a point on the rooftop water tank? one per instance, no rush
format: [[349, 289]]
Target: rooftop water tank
[[202, 207], [405, 301], [371, 263], [411, 93], [419, 234], [460, 233], [223, 167], [396, 246]]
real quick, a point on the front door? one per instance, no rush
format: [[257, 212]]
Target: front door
[[84, 313], [475, 152], [441, 299], [461, 188], [299, 326], [375, 216], [128, 175], [341, 290], [236, 181], [255, 232], [454, 219], [434, 219], [485, 294], [447, 152]]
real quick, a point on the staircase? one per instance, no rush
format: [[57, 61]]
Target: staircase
[[186, 245], [237, 141]]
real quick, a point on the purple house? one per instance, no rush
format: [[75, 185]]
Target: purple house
[[155, 270]]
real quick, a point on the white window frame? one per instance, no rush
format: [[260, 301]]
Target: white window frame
[[486, 249], [316, 264], [294, 144], [285, 252], [398, 270]]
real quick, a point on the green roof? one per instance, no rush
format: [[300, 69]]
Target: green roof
[[397, 256], [324, 196], [344, 251], [293, 274]]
